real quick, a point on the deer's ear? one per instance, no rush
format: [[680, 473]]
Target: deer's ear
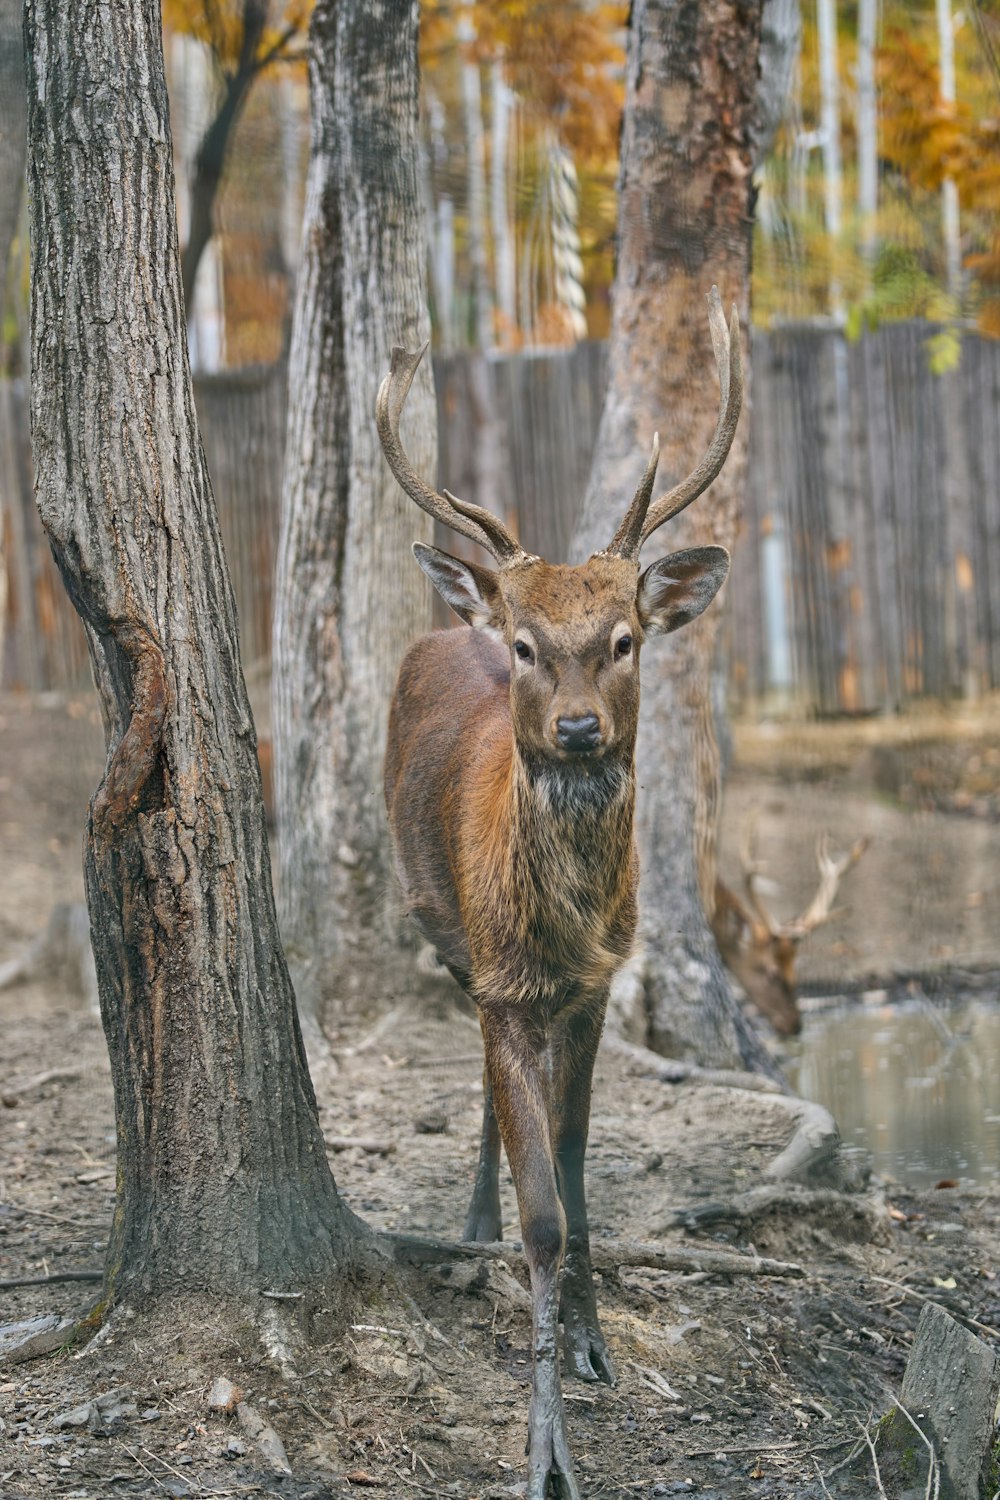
[[678, 588], [472, 592]]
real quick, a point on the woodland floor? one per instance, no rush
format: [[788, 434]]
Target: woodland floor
[[729, 1386]]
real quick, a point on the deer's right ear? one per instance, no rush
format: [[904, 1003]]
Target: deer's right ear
[[472, 592]]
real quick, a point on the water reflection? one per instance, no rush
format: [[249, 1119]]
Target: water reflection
[[917, 1084]]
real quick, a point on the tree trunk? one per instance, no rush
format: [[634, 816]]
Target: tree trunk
[[867, 129], [684, 223], [13, 114], [349, 596], [833, 174], [223, 1183]]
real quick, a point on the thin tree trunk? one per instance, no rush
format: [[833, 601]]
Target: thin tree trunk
[[349, 596], [684, 223], [503, 235], [949, 191], [867, 126], [211, 156], [223, 1184], [829, 85]]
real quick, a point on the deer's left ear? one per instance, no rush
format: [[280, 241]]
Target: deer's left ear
[[679, 587]]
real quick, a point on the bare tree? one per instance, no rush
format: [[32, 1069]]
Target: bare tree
[[349, 596], [223, 1183], [684, 223], [258, 50]]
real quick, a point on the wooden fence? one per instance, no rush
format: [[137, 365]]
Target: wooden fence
[[868, 569]]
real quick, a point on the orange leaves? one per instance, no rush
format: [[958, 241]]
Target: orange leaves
[[564, 59], [922, 135]]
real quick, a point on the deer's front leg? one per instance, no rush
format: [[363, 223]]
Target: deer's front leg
[[517, 1065], [576, 1046]]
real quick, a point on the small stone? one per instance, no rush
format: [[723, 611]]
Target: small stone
[[150, 1415], [235, 1448], [223, 1395], [434, 1122], [77, 1416]]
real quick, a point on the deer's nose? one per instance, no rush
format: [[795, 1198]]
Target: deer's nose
[[583, 733]]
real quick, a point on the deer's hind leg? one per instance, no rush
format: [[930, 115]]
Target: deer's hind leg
[[483, 1223]]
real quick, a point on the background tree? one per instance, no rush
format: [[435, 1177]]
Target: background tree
[[684, 223], [349, 596], [223, 1184], [244, 39]]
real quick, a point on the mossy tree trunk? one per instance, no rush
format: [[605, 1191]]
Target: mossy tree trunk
[[349, 595], [685, 218], [223, 1183]]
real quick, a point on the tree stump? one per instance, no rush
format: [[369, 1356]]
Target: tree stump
[[950, 1390]]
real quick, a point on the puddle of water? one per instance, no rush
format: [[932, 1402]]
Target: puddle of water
[[917, 1084]]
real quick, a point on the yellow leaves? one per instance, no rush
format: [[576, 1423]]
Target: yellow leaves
[[220, 25]]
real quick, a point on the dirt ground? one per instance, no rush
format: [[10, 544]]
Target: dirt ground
[[729, 1385]]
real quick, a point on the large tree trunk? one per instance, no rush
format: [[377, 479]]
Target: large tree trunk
[[13, 114], [349, 596], [223, 1183], [684, 223]]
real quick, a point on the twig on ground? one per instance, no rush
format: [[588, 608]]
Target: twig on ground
[[819, 1476], [874, 1456], [15, 1281], [606, 1255], [933, 1468], [933, 1302]]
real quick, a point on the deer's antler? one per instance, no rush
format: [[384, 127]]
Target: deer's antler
[[831, 872], [470, 520], [643, 519]]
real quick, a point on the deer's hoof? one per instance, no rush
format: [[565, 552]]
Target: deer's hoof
[[585, 1354], [550, 1469]]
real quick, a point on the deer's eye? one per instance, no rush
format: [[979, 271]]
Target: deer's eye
[[623, 646], [524, 651]]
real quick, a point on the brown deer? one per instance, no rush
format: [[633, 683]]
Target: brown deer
[[510, 785], [761, 951]]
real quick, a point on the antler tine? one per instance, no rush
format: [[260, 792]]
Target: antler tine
[[628, 538], [468, 520], [751, 869], [831, 872], [726, 344]]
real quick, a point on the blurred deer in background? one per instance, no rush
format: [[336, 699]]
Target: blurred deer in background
[[761, 951], [510, 785]]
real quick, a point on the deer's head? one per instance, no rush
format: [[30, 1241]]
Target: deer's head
[[575, 633]]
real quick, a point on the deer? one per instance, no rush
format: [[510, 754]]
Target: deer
[[761, 951], [510, 791]]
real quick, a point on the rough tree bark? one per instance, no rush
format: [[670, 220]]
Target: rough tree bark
[[349, 596], [13, 116], [684, 223], [223, 1183]]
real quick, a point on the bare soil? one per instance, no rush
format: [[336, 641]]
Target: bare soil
[[729, 1385]]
